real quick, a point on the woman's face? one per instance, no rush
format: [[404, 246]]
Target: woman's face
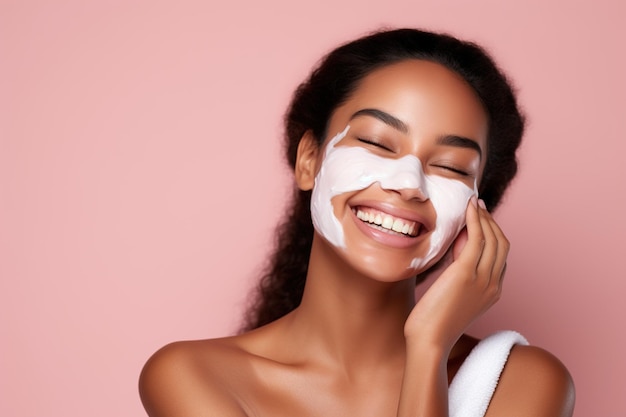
[[404, 155]]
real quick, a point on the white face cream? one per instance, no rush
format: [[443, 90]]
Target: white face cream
[[347, 169]]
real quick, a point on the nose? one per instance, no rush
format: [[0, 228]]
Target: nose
[[406, 177], [410, 184], [412, 194]]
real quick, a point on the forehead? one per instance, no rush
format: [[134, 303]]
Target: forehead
[[429, 98]]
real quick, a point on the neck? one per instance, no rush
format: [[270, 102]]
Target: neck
[[349, 319]]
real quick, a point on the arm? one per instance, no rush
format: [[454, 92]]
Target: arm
[[425, 384], [463, 292]]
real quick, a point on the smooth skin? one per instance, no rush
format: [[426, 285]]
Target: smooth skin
[[359, 344]]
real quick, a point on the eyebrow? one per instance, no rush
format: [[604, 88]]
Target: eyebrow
[[399, 125], [384, 117], [460, 142]]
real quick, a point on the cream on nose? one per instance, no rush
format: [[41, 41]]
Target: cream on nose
[[408, 179]]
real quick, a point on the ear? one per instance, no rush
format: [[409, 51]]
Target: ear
[[306, 161]]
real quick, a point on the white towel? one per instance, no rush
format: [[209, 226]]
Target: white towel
[[474, 384]]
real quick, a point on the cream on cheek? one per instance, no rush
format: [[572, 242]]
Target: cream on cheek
[[346, 169], [449, 198]]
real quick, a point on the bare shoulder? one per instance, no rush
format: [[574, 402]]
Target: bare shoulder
[[534, 383], [193, 378]]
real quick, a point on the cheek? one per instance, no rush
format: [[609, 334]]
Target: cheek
[[333, 180], [449, 199], [336, 178], [322, 214]]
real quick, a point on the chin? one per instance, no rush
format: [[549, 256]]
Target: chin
[[380, 266]]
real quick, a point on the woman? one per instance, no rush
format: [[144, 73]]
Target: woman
[[392, 139]]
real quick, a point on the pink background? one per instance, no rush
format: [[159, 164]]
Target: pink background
[[140, 179]]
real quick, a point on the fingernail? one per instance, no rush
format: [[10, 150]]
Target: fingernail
[[473, 200], [481, 203]]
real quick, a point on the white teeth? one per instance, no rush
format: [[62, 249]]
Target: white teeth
[[397, 226], [387, 222]]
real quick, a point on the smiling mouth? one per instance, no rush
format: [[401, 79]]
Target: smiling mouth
[[387, 223]]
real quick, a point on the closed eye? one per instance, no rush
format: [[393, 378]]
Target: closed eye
[[453, 169], [376, 144]]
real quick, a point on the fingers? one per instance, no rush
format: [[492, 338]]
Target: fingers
[[470, 255], [492, 262], [487, 247]]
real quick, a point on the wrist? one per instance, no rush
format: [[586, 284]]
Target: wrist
[[426, 348]]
